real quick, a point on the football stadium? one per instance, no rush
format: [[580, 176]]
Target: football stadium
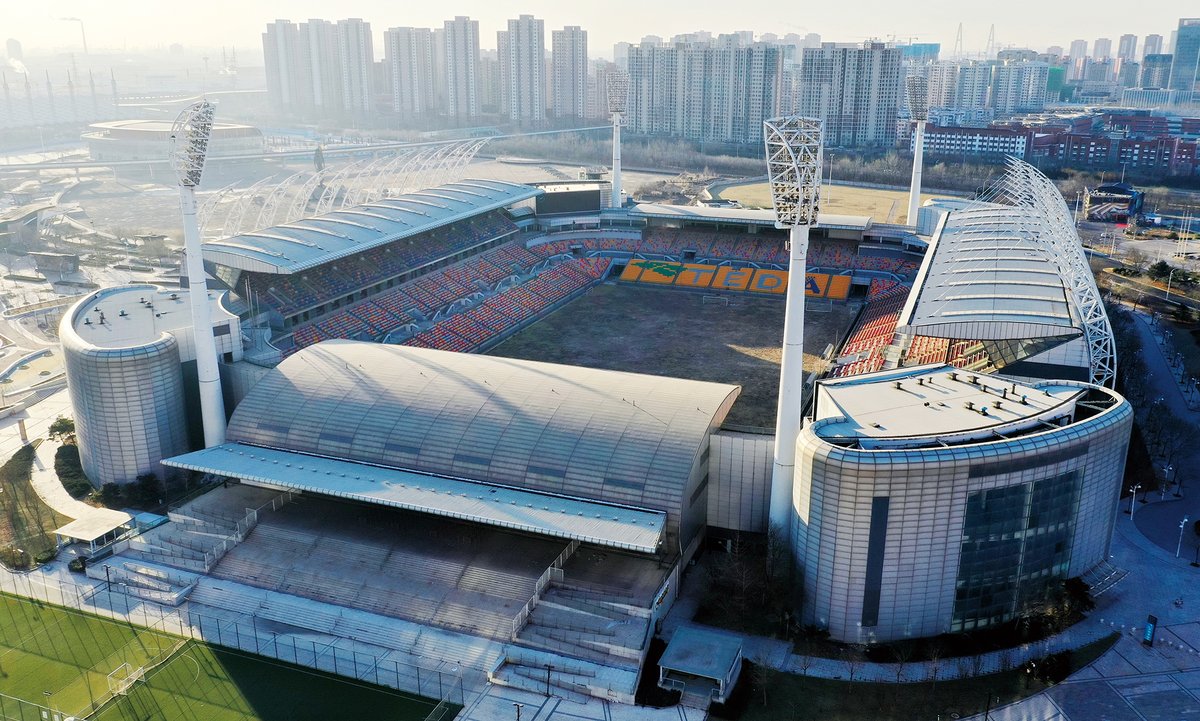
[[415, 463]]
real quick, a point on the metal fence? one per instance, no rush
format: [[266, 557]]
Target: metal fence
[[450, 684]]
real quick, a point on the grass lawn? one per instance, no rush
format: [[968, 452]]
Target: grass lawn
[[837, 199], [26, 522], [70, 654], [47, 648], [667, 332], [800, 698], [204, 683]]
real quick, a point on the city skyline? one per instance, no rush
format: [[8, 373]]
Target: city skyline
[[42, 28]]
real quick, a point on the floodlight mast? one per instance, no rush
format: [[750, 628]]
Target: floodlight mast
[[918, 104], [618, 101], [793, 146], [189, 148]]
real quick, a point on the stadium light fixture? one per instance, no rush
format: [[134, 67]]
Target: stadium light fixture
[[793, 148], [618, 103], [190, 136], [918, 104]]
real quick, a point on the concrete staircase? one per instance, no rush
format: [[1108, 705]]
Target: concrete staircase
[[593, 641]]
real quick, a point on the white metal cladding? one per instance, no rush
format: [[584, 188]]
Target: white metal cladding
[[293, 247], [632, 529], [1011, 267], [793, 145], [613, 437]]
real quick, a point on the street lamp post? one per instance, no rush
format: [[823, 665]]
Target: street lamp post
[[518, 707], [1167, 468], [82, 33], [1170, 277], [1133, 499], [1179, 546]]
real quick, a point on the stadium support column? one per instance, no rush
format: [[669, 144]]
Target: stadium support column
[[918, 105], [189, 140], [616, 161], [793, 148], [618, 101], [914, 192]]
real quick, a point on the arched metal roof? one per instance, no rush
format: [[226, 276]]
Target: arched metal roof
[[1010, 271], [607, 436], [309, 242]]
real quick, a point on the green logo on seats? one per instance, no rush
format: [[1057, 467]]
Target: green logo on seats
[[669, 270]]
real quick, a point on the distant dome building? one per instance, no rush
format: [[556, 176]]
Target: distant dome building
[[150, 140], [127, 352]]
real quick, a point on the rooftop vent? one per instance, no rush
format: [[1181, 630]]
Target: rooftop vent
[[974, 380], [983, 411], [970, 405], [953, 376], [897, 385]]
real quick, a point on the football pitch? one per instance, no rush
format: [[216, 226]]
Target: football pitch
[[58, 658], [677, 333]]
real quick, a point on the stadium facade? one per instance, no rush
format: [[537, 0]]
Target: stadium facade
[[931, 500], [128, 351], [149, 140]]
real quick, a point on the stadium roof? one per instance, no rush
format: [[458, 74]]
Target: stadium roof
[[587, 521], [604, 436], [934, 402], [747, 216], [986, 277], [303, 244]]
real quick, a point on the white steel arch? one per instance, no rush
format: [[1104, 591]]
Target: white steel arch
[[1039, 193]]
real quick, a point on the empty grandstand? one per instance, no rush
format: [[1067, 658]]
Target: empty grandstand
[[561, 500], [1004, 287]]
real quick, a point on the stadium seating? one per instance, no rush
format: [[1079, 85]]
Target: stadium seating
[[877, 324], [469, 330], [924, 349], [292, 293]]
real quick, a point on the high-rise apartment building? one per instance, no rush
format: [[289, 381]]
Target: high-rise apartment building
[[1185, 65], [943, 84], [322, 61], [569, 72], [1019, 87], [1127, 47], [855, 90], [461, 39], [522, 62], [974, 85], [408, 54], [1152, 45], [1156, 71], [1077, 57], [1102, 50], [357, 55], [718, 91], [286, 85]]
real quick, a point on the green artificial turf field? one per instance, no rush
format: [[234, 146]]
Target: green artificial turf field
[[56, 657]]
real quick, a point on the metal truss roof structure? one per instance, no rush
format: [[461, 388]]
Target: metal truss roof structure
[[269, 202], [994, 277]]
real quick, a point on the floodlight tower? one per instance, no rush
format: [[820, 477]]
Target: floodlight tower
[[618, 101], [918, 104], [793, 145], [189, 148]]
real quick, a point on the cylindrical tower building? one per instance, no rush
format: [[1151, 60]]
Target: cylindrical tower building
[[932, 500]]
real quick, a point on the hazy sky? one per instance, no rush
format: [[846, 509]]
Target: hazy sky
[[133, 24]]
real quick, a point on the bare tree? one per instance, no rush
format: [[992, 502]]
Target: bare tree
[[853, 657], [902, 652]]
